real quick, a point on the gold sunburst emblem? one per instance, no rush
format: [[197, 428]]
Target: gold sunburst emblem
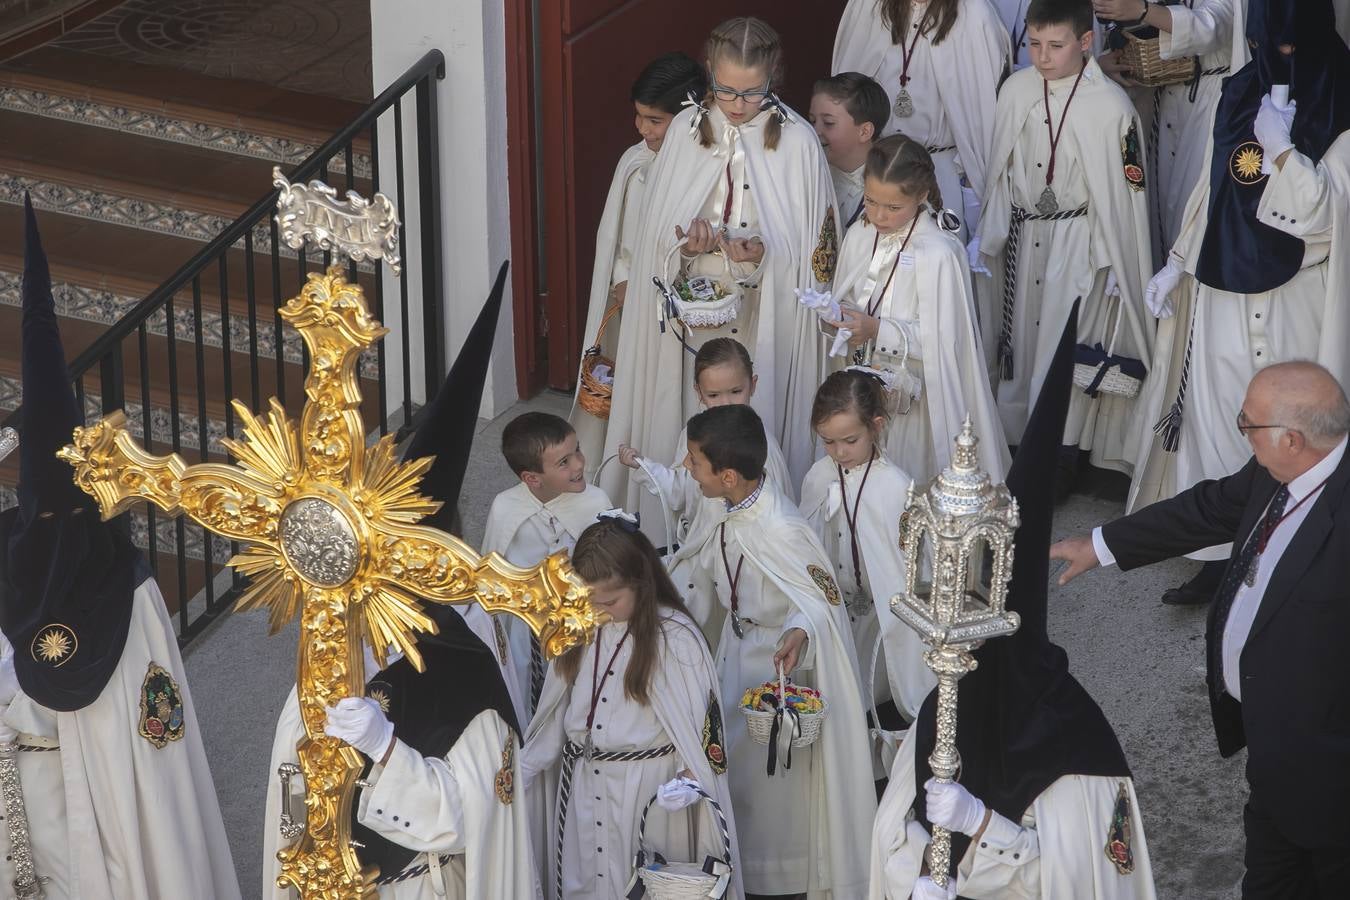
[[1246, 163], [54, 645], [380, 696], [330, 527]]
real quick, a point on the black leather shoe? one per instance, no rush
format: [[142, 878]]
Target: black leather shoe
[[1186, 596]]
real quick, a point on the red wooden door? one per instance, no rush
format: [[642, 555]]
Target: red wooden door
[[588, 53]]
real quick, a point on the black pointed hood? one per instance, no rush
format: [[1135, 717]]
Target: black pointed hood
[[67, 577], [1022, 720], [462, 677]]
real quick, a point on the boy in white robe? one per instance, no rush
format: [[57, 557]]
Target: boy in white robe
[[1013, 14], [804, 829], [95, 712], [849, 111], [1068, 215], [1178, 115], [657, 95], [1045, 808], [1255, 275], [543, 515]]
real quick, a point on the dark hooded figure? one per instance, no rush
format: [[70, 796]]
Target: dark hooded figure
[[1263, 245], [92, 683], [441, 815], [1044, 805]]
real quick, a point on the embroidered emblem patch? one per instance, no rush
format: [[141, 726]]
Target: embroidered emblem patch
[[1245, 163], [713, 748], [827, 249], [1132, 159], [54, 645], [1118, 848], [505, 782], [825, 583], [161, 708], [381, 693]]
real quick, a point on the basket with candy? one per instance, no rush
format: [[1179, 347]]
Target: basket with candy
[[776, 708]]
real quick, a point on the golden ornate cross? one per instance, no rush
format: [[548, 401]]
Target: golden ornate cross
[[331, 533]]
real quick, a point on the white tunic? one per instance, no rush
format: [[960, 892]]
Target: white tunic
[[607, 797], [1236, 335], [1063, 260], [1180, 123], [803, 829], [141, 821], [952, 85], [1056, 851], [526, 532], [613, 254], [439, 807], [923, 297]]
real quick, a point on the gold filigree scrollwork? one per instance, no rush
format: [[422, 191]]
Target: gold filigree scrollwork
[[330, 534]]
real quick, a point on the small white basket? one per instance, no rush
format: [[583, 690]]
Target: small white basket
[[703, 308], [1113, 381], [759, 722], [662, 880]]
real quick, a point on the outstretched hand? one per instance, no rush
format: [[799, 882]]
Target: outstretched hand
[[1080, 555]]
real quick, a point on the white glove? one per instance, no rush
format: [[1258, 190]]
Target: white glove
[[1273, 124], [360, 722], [1158, 296], [820, 302], [953, 807], [1112, 287], [840, 345], [677, 793], [9, 681], [977, 266], [925, 889], [971, 209]]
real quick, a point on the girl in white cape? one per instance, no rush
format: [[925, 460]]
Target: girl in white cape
[[740, 193], [623, 718], [657, 96], [853, 499], [904, 290], [940, 62]]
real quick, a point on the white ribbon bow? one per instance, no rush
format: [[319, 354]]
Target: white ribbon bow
[[619, 513]]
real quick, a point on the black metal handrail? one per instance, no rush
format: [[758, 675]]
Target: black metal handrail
[[198, 555]]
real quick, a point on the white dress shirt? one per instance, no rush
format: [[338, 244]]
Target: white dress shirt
[[1247, 602]]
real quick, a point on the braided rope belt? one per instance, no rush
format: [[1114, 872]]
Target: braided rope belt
[[934, 150], [1019, 215], [572, 751], [412, 872]]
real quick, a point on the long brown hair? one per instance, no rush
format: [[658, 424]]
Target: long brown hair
[[850, 392], [938, 18], [905, 163], [752, 43], [608, 550]]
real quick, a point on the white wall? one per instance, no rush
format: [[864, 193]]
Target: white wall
[[472, 108]]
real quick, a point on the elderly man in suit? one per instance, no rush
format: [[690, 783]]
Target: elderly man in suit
[[1278, 637]]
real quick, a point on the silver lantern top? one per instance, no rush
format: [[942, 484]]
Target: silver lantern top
[[957, 536]]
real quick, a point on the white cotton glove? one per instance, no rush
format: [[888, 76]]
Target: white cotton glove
[[953, 807], [1112, 286], [677, 793], [926, 889], [360, 722], [822, 303], [971, 209], [1161, 287], [841, 339], [1273, 124], [977, 266]]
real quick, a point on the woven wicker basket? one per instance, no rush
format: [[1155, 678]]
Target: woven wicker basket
[[1141, 57], [593, 395], [705, 313], [759, 722], [683, 880]]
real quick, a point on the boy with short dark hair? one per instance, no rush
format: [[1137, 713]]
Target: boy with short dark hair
[[849, 111], [783, 610], [544, 514], [1066, 209]]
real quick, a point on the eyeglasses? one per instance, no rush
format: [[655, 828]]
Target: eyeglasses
[[721, 92], [1244, 426]]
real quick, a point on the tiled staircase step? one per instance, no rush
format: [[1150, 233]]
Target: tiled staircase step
[[146, 117], [100, 301]]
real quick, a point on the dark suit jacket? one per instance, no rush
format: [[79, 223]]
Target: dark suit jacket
[[1294, 716]]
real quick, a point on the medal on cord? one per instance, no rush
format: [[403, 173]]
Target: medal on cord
[[860, 355], [904, 103], [737, 623], [598, 682], [1048, 204]]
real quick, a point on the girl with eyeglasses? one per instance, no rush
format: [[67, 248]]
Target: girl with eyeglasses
[[739, 198], [905, 297]]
